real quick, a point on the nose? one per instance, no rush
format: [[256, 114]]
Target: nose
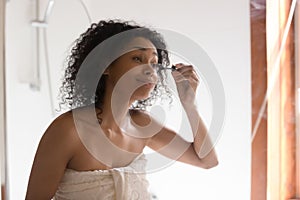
[[150, 73], [148, 70]]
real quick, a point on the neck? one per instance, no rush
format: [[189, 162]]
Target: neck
[[113, 111]]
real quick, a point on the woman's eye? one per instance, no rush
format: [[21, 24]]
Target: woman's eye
[[137, 59]]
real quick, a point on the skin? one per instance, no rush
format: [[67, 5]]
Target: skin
[[61, 147]]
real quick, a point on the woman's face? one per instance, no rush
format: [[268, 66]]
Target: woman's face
[[135, 71]]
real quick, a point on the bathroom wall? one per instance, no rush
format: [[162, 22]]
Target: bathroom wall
[[221, 28]]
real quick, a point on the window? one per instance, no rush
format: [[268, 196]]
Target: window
[[275, 144]]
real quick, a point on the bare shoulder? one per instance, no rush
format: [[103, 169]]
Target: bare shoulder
[[55, 150], [60, 139], [62, 128]]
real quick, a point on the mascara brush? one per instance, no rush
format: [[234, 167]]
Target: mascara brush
[[173, 68]]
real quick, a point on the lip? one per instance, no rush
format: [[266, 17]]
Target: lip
[[147, 83]]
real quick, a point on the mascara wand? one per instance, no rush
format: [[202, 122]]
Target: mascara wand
[[173, 68]]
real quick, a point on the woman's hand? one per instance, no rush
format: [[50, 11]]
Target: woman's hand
[[187, 81]]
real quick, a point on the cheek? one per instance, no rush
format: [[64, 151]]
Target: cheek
[[126, 81], [115, 75]]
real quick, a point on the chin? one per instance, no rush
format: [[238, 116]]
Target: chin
[[141, 94], [142, 97]]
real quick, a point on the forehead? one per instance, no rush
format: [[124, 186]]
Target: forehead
[[140, 43]]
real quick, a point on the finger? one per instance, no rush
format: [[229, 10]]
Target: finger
[[191, 75], [186, 74], [184, 68], [179, 78], [195, 80], [187, 78], [186, 71], [179, 65], [195, 76], [183, 71]]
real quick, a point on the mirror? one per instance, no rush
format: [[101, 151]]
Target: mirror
[[35, 54]]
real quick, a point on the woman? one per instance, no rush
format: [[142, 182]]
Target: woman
[[72, 162]]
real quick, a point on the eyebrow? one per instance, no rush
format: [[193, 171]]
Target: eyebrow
[[145, 49]]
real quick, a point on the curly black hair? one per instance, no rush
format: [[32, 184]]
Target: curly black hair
[[75, 94]]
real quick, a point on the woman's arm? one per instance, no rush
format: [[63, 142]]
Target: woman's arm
[[201, 152], [54, 151], [202, 144], [170, 144]]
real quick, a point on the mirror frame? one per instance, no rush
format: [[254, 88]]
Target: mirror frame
[[2, 103]]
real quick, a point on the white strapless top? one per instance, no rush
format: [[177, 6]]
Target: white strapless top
[[125, 183]]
